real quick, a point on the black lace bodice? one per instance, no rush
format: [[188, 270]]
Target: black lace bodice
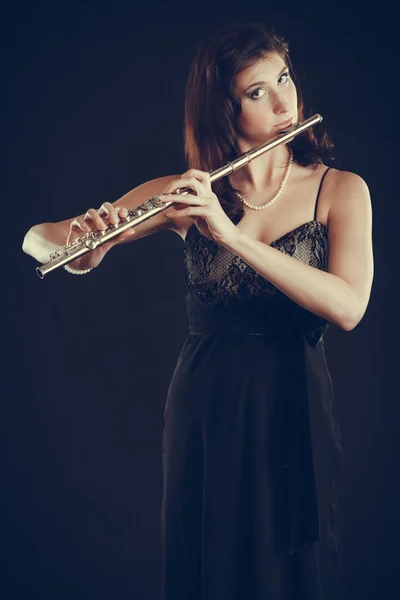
[[218, 277]]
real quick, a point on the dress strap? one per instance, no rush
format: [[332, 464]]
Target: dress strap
[[319, 190]]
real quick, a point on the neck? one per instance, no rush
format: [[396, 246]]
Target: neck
[[264, 172]]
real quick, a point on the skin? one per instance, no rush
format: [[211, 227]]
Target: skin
[[263, 107], [268, 97], [340, 295]]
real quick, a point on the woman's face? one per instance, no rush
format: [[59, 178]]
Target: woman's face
[[268, 97]]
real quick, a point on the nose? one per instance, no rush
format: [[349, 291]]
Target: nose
[[282, 105]]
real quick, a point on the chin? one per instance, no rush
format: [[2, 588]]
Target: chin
[[259, 138]]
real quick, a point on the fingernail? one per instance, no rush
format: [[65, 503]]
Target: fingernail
[[162, 197]]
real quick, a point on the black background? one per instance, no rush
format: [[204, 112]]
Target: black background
[[93, 107]]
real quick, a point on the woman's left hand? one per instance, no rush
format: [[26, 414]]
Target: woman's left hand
[[209, 217]]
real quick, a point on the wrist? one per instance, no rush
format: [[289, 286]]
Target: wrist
[[232, 240]]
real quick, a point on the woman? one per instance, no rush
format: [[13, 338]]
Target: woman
[[251, 444]]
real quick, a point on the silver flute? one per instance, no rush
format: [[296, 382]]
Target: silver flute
[[151, 207]]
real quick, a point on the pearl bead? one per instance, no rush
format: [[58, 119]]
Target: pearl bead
[[279, 192]]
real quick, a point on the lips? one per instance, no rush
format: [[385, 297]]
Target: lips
[[284, 124]]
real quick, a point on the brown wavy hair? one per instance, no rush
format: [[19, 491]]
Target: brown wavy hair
[[212, 106]]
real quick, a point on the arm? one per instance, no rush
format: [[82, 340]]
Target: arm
[[341, 294], [45, 238]]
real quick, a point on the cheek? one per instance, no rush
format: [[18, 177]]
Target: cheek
[[250, 116]]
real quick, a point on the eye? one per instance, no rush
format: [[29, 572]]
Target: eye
[[255, 94], [285, 75]]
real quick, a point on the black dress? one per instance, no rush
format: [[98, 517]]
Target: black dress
[[251, 444]]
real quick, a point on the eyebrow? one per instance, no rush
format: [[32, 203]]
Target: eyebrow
[[264, 82]]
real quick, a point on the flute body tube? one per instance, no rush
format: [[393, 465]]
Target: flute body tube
[[151, 207]]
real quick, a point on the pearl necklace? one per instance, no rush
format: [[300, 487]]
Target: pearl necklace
[[279, 192]]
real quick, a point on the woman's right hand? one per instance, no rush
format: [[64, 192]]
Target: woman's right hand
[[95, 220]]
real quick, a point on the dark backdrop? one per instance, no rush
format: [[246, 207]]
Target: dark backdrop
[[93, 107]]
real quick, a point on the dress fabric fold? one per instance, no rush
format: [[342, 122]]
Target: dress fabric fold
[[251, 441]]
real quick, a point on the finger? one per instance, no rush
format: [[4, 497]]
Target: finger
[[111, 212], [77, 226], [202, 176], [117, 207], [122, 211], [190, 182], [181, 199], [93, 218]]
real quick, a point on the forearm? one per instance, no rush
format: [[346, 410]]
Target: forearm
[[319, 292]]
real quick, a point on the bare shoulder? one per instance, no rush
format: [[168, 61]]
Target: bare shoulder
[[346, 191], [348, 180]]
